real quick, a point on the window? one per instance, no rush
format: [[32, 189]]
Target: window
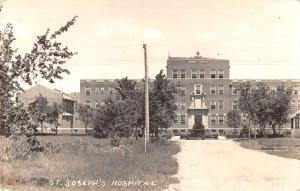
[[234, 90], [221, 120], [213, 105], [88, 103], [182, 73], [194, 74], [88, 91], [182, 119], [221, 73], [213, 89], [182, 105], [213, 74], [221, 89], [295, 91], [198, 89], [213, 120], [293, 104], [111, 90], [182, 131], [175, 120], [235, 105], [221, 104], [202, 74], [97, 90], [102, 90], [175, 74]]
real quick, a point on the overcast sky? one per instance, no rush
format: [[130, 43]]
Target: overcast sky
[[261, 38]]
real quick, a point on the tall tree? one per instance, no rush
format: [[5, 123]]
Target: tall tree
[[234, 119], [162, 103], [40, 110], [129, 91], [279, 105], [116, 118], [85, 114], [44, 61], [260, 97], [53, 115]]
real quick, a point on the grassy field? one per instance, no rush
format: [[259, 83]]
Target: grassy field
[[285, 147], [86, 163]]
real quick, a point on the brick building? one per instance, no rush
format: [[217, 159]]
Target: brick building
[[209, 93]]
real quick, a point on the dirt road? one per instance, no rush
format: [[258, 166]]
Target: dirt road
[[223, 165]]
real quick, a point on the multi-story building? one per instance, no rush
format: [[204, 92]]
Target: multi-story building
[[93, 92], [68, 123], [208, 93]]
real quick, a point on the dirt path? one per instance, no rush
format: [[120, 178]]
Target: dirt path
[[223, 165]]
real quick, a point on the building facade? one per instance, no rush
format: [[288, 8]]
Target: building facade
[[208, 93], [68, 123]]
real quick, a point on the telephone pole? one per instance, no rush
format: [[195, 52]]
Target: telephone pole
[[146, 98]]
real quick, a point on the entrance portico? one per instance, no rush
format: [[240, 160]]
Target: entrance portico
[[197, 111]]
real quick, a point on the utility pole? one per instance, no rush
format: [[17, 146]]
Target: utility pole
[[146, 98]]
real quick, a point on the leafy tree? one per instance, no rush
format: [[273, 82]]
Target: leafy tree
[[116, 118], [53, 115], [85, 114], [124, 115], [246, 100], [40, 110], [234, 119], [265, 106], [162, 103], [129, 92], [279, 106], [260, 97], [44, 61]]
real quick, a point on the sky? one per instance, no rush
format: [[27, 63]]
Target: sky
[[261, 38]]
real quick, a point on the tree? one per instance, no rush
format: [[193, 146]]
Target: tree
[[44, 61], [124, 115], [279, 106], [234, 119], [85, 115], [129, 92], [162, 103], [40, 110], [53, 115], [116, 118], [264, 105], [260, 97]]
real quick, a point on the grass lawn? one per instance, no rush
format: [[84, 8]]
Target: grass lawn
[[285, 147], [86, 163]]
